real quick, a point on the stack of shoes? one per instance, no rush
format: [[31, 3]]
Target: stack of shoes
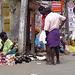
[[19, 59], [26, 59], [10, 59], [2, 59]]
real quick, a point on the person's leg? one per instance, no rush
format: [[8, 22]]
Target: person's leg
[[52, 54], [57, 54], [47, 53]]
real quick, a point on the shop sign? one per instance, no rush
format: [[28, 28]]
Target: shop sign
[[7, 25], [56, 6], [5, 9], [70, 13]]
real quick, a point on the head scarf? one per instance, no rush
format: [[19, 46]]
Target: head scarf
[[36, 29]]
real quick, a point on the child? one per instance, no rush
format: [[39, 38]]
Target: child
[[14, 47]]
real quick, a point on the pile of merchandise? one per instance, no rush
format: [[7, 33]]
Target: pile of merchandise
[[7, 59], [2, 60], [10, 59]]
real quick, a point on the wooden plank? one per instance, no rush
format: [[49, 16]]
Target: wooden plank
[[28, 45], [34, 5], [67, 24], [69, 0], [33, 34]]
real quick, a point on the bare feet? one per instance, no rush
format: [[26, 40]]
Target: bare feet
[[58, 62], [48, 63], [53, 63]]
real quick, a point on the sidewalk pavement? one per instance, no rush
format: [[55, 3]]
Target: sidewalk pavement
[[67, 67]]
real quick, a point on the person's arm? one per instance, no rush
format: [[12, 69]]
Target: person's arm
[[2, 46], [47, 25], [62, 24], [13, 45], [63, 43], [63, 19], [15, 42]]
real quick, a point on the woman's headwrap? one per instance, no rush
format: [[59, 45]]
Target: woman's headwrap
[[36, 29]]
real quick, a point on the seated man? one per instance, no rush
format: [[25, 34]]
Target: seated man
[[6, 44], [38, 47]]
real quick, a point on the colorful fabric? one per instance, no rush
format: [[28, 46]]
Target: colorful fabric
[[13, 51], [53, 38], [43, 21], [43, 46], [52, 21], [61, 49], [7, 45], [37, 42]]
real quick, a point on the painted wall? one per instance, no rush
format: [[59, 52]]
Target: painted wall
[[14, 21], [14, 18]]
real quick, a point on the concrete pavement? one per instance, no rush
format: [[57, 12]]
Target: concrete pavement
[[67, 67]]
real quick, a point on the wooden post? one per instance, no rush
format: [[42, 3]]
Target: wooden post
[[33, 33], [67, 22], [33, 5], [22, 26], [28, 31], [33, 1]]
